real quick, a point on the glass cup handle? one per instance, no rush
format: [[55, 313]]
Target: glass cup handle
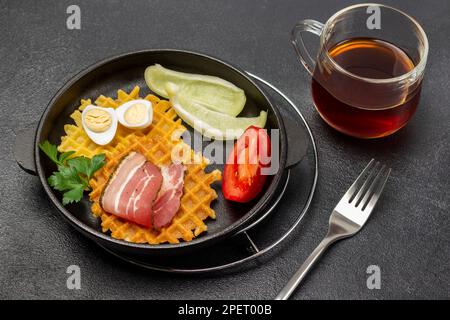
[[307, 25]]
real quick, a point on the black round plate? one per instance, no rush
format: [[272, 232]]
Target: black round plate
[[126, 71]]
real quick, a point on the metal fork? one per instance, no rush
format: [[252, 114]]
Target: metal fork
[[347, 218]]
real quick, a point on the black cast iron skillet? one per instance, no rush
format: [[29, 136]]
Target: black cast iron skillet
[[124, 72]]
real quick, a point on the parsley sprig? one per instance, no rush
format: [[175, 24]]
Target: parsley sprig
[[73, 175]]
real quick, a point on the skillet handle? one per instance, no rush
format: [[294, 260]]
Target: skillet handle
[[24, 150], [297, 146], [296, 139]]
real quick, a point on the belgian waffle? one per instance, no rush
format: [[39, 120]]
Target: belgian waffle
[[157, 143]]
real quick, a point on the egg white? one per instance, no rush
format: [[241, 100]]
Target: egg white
[[120, 112], [100, 138]]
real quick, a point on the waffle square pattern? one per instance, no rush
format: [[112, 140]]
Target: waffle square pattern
[[158, 143]]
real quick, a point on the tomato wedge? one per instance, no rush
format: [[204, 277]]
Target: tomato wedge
[[242, 178]]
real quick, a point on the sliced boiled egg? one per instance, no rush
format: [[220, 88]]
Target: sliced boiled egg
[[135, 114], [99, 123]]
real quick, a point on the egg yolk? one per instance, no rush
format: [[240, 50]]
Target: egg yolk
[[97, 120], [135, 114]]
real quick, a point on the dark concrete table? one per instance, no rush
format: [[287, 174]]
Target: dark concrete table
[[408, 237]]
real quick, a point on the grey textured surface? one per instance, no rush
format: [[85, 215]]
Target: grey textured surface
[[408, 237]]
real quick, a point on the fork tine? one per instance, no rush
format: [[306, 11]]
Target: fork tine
[[362, 191], [369, 191], [359, 181], [368, 207]]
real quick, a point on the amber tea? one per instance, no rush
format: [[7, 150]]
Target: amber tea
[[364, 109]]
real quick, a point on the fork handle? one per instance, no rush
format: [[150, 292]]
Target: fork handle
[[289, 288]]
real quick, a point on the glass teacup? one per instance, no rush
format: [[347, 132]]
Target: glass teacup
[[367, 76]]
